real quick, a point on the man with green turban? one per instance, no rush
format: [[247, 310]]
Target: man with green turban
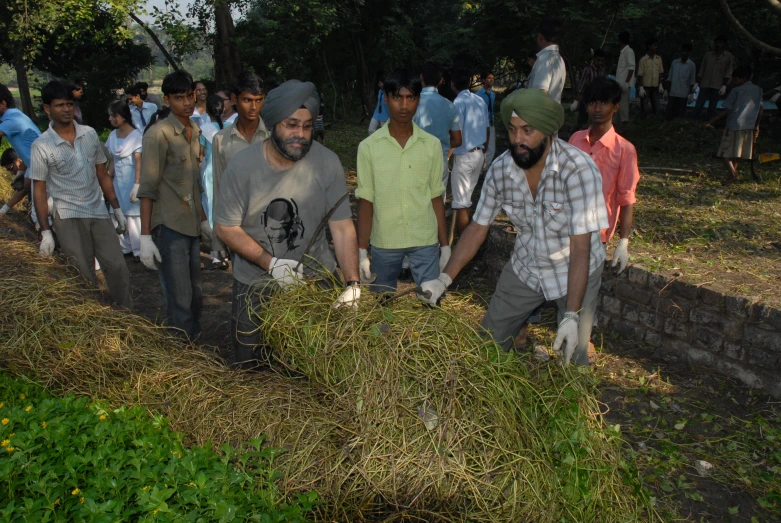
[[552, 193]]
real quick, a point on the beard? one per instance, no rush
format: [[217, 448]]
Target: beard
[[283, 146], [526, 157]]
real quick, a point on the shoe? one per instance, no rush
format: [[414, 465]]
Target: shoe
[[405, 275], [137, 259]]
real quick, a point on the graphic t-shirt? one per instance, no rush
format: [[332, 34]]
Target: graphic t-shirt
[[281, 210]]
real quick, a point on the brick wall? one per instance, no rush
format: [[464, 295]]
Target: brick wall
[[682, 322]]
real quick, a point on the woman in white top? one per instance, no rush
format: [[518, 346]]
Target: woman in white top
[[200, 114], [124, 144]]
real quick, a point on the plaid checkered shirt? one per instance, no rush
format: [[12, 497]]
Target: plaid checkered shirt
[[569, 202]]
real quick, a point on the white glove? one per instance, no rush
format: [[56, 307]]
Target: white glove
[[134, 193], [775, 97], [223, 255], [722, 90], [149, 252], [567, 338], [121, 221], [50, 205], [641, 92], [4, 209], [696, 86], [621, 255], [284, 272], [661, 89], [365, 266], [444, 257], [349, 298], [47, 243], [573, 106], [206, 231], [436, 287]]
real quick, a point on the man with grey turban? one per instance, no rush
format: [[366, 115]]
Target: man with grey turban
[[273, 196], [552, 193]]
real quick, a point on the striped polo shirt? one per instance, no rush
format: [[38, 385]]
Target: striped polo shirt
[[69, 172]]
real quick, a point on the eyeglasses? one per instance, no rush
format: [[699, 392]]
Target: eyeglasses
[[307, 127]]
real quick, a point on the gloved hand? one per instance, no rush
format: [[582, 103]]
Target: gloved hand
[[349, 298], [284, 272], [444, 256], [574, 106], [436, 287], [722, 90], [365, 266], [206, 231], [223, 255], [4, 209], [121, 221], [641, 92], [621, 255], [695, 87], [567, 337], [134, 193], [624, 86], [149, 252], [47, 244], [775, 97], [661, 89], [50, 205]]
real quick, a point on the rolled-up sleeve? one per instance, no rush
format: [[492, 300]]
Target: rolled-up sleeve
[[152, 164], [490, 202], [365, 175], [435, 174], [231, 202], [39, 166], [583, 191], [628, 177]]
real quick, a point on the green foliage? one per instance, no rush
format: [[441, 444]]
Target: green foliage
[[71, 459]]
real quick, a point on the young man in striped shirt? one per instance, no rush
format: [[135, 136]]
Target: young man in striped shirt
[[67, 161]]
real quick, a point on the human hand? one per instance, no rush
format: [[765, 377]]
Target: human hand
[[285, 273], [722, 90], [149, 252], [621, 255], [134, 193], [349, 298], [4, 209], [436, 288], [47, 244], [444, 256], [567, 337], [574, 106], [641, 92], [121, 221], [661, 89], [365, 266]]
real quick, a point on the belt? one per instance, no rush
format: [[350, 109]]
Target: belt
[[478, 148]]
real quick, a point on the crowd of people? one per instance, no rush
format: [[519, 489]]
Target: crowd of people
[[241, 171]]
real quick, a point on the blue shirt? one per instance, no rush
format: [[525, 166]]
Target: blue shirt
[[381, 113], [437, 115], [20, 131], [489, 97], [743, 103], [141, 117], [474, 121]]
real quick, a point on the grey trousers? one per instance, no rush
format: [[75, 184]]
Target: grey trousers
[[513, 302], [84, 239]]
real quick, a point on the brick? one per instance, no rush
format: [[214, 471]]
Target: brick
[[611, 305], [732, 328], [638, 276], [674, 308], [631, 313], [650, 320], [737, 306], [706, 338], [629, 292], [603, 321], [628, 330], [653, 339], [706, 316], [700, 356], [658, 281], [761, 358], [767, 315], [608, 286], [733, 350], [676, 328], [710, 297], [762, 338], [737, 370], [684, 290]]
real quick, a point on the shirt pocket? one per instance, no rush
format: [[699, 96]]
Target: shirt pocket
[[175, 166], [554, 217]]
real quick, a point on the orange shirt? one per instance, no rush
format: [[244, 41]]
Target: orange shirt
[[616, 158]]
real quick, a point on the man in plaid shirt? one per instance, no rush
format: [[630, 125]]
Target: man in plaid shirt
[[552, 193]]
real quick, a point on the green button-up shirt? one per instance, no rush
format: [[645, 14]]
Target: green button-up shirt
[[401, 183], [171, 177]]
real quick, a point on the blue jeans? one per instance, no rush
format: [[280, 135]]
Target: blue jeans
[[710, 95], [386, 264], [180, 278]]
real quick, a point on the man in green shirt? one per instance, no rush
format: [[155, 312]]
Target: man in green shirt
[[399, 193]]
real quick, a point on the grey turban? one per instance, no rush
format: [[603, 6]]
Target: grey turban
[[288, 98]]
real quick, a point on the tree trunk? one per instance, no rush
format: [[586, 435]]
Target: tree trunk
[[156, 40], [745, 32], [24, 85], [365, 88], [227, 62]]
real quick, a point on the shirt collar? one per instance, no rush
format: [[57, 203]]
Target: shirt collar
[[428, 90], [550, 49], [608, 140], [234, 128], [384, 133], [179, 126], [551, 164], [81, 130]]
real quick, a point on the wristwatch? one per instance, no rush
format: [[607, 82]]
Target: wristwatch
[[352, 283]]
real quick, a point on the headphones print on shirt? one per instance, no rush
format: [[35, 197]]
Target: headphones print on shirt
[[283, 226]]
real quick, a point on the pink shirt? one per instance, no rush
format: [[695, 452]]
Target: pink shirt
[[616, 158]]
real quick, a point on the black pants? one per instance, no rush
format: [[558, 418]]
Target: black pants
[[652, 96], [676, 107]]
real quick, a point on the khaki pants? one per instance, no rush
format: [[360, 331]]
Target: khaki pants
[[84, 239]]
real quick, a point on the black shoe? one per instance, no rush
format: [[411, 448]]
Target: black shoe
[[137, 259], [405, 276]]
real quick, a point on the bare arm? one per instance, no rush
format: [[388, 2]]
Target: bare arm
[[439, 211], [625, 217], [106, 185], [456, 139], [19, 195], [345, 247], [723, 114], [487, 138], [146, 216], [137, 163], [41, 204], [242, 244], [577, 277], [466, 248], [365, 217]]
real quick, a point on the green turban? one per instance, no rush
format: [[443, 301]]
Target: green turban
[[535, 107]]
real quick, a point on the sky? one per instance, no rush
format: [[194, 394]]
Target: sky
[[182, 6]]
